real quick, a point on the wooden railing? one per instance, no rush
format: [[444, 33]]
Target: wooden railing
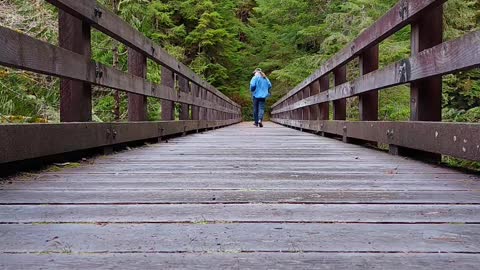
[[425, 136], [202, 106]]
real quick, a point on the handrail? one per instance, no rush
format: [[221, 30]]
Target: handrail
[[402, 14], [307, 105], [202, 106], [110, 24]]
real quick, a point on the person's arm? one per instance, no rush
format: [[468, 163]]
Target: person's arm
[[253, 84]]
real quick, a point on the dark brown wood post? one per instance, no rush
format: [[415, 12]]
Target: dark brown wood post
[[168, 107], [369, 101], [203, 111], [209, 99], [137, 104], [314, 109], [324, 107], [75, 96], [425, 95], [340, 106], [184, 88], [306, 111], [195, 109]]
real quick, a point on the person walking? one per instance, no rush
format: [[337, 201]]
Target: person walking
[[260, 87]]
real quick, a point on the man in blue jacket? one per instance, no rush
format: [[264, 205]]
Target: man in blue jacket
[[260, 86]]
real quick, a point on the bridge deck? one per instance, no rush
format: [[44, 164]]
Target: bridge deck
[[247, 198]]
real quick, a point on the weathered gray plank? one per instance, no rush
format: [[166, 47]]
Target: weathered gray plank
[[255, 261], [229, 196], [255, 237], [258, 213], [108, 183]]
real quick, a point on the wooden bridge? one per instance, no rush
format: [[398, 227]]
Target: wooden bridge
[[207, 191]]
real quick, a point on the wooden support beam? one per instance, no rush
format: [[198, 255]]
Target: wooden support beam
[[168, 108], [369, 101], [426, 94], [340, 105], [324, 107], [306, 111], [137, 104], [195, 109], [75, 96], [314, 109], [183, 87]]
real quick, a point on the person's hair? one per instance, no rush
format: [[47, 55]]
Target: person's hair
[[263, 74]]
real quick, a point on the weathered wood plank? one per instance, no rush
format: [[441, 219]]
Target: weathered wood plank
[[280, 261], [255, 237], [241, 190], [229, 196], [105, 183], [257, 213]]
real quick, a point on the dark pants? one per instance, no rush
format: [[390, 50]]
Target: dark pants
[[258, 109]]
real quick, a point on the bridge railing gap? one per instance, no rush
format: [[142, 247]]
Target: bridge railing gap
[[425, 136], [202, 106]]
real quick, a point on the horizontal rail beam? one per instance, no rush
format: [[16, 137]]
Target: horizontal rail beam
[[454, 139], [449, 57], [112, 25], [24, 52], [28, 141], [398, 17]]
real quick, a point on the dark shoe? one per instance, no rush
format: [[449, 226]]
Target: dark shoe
[[260, 124], [255, 124]]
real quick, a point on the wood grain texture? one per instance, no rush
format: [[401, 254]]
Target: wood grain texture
[[272, 260], [256, 198]]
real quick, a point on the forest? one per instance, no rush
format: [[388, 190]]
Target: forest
[[224, 41]]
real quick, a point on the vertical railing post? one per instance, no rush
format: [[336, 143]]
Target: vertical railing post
[[368, 102], [184, 87], [314, 109], [168, 108], [324, 107], [306, 111], [137, 104], [75, 96], [340, 106], [426, 94], [195, 109]]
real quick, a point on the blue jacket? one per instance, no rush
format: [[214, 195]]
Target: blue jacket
[[260, 87]]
